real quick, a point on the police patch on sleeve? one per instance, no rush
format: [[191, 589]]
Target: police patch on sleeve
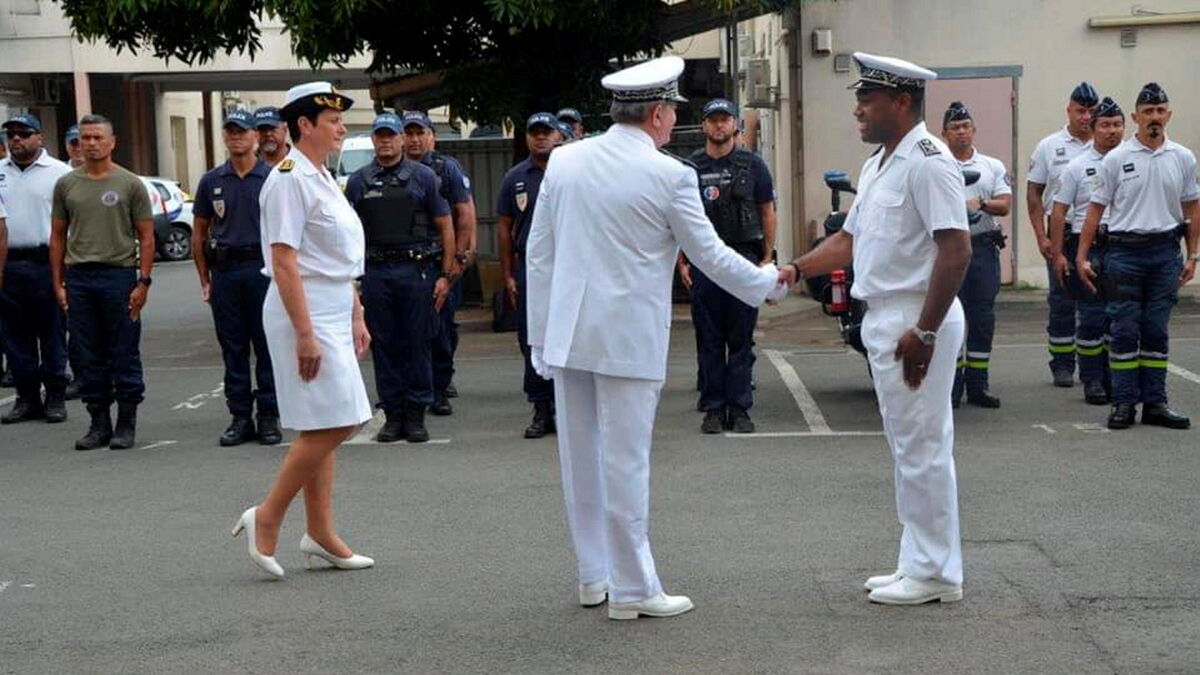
[[466, 182], [928, 147], [287, 165]]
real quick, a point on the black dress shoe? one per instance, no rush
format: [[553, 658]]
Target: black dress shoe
[[983, 399], [240, 430], [714, 421], [1159, 415], [441, 406], [1064, 378], [393, 429], [1123, 416], [739, 421], [1094, 393], [25, 408], [268, 430], [543, 420]]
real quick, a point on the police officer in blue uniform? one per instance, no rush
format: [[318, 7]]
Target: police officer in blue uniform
[[991, 195], [739, 199], [407, 226], [515, 205], [1149, 187], [572, 117], [228, 257], [419, 141], [273, 144]]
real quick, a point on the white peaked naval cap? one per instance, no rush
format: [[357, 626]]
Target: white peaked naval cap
[[889, 72], [318, 94], [655, 80]]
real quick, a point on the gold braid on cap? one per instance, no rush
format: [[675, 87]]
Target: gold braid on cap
[[334, 102]]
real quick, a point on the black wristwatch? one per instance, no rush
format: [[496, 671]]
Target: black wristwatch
[[145, 281]]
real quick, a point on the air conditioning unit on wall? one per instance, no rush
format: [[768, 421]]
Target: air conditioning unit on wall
[[760, 93], [46, 90]]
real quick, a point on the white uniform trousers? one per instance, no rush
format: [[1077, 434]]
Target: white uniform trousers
[[919, 426], [605, 426]]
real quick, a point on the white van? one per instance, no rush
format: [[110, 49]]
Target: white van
[[357, 152]]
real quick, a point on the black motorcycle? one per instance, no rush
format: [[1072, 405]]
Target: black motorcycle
[[833, 291]]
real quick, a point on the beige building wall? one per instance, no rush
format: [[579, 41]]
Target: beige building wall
[[1051, 41]]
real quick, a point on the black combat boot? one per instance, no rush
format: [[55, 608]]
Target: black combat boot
[[240, 430], [451, 391], [101, 430], [1123, 416], [1159, 415], [123, 435], [543, 420], [714, 420], [268, 429], [73, 389], [28, 406], [56, 404], [414, 423], [739, 421], [983, 398], [1094, 392], [393, 429], [441, 405]]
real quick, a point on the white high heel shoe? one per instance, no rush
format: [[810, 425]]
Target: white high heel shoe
[[312, 549], [265, 562]]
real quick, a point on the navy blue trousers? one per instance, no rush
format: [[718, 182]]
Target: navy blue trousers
[[398, 301], [238, 291], [1091, 322], [1143, 286], [1060, 329], [35, 328], [537, 389], [978, 297], [725, 339], [445, 342], [107, 340]]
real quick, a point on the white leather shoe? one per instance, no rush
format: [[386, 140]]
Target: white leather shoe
[[312, 549], [265, 562], [593, 595], [909, 591], [659, 605], [883, 580]]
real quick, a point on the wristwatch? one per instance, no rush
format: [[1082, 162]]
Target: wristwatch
[[145, 281], [462, 257], [927, 337], [983, 205]]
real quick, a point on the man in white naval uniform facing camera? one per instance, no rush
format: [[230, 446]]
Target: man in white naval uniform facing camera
[[611, 217], [908, 236]]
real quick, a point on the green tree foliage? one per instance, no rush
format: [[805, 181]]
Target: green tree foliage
[[499, 57]]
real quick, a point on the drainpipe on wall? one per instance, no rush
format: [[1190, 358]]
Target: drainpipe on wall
[[800, 238]]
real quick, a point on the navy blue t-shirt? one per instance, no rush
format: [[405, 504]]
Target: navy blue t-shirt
[[457, 183], [518, 196], [422, 185], [231, 203]]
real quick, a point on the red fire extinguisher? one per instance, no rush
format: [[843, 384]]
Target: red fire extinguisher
[[839, 299]]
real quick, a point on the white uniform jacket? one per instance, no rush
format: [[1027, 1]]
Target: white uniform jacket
[[612, 214]]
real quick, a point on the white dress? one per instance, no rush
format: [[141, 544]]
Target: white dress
[[303, 207]]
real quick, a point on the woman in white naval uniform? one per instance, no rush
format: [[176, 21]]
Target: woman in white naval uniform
[[313, 248]]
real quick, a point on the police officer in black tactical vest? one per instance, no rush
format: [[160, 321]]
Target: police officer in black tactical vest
[[407, 225], [739, 198]]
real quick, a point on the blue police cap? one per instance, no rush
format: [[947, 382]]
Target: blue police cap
[[1107, 108], [719, 106], [570, 115], [239, 118], [72, 133], [1085, 94], [267, 116], [957, 112], [543, 119], [565, 129], [389, 121], [25, 119], [1151, 94], [412, 117]]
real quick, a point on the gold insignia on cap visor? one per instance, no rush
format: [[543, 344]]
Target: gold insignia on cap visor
[[335, 102]]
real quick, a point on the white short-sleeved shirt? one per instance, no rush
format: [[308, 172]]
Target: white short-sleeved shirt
[[1049, 159], [1081, 177], [28, 195], [1144, 189], [302, 206], [899, 206], [993, 182]]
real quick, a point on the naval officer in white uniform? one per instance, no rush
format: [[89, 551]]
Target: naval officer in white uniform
[[908, 238], [612, 214], [313, 247]]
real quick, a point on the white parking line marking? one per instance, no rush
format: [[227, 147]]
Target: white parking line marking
[[803, 434], [158, 444], [804, 400], [27, 586], [1184, 373]]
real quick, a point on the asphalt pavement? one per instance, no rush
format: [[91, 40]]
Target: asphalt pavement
[[1081, 547]]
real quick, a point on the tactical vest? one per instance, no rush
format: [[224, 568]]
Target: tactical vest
[[391, 216], [729, 198]]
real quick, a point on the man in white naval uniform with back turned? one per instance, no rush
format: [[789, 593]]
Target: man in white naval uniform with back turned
[[908, 236], [612, 214]]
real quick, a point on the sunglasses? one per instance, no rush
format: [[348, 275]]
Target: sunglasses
[[24, 133]]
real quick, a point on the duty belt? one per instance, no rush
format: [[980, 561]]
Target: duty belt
[[227, 254], [37, 254], [393, 255], [1145, 239]]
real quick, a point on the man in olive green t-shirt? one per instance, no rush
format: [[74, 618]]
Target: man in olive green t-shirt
[[101, 255]]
